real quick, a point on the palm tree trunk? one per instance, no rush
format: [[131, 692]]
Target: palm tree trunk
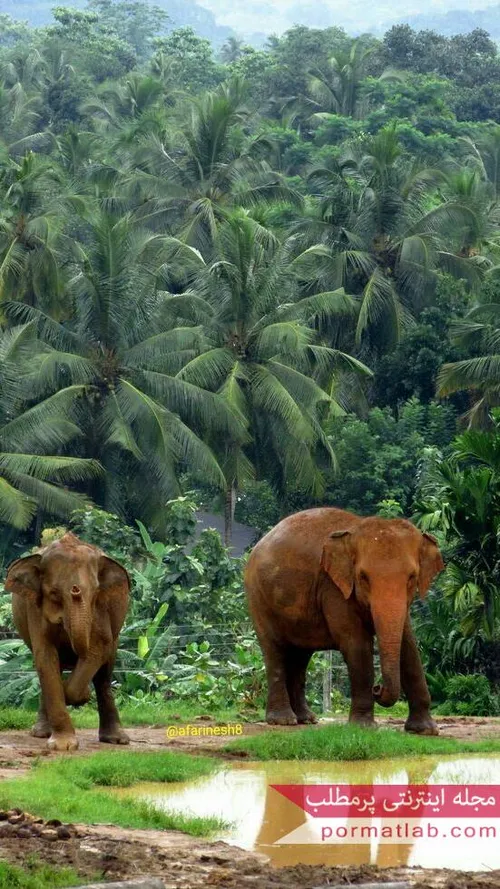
[[229, 507], [38, 526]]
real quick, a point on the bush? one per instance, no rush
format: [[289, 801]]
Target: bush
[[469, 696]]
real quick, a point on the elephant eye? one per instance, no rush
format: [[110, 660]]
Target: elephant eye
[[363, 576]]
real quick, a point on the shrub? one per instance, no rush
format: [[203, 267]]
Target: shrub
[[469, 695]]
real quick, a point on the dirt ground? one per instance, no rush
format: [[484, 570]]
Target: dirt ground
[[183, 861], [18, 747]]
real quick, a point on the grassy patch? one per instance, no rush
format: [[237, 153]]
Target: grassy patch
[[123, 768], [15, 718], [37, 876], [67, 789], [151, 713], [347, 742], [399, 710], [147, 713]]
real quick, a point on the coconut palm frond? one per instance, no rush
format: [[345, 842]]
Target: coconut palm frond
[[379, 304], [16, 508], [473, 373]]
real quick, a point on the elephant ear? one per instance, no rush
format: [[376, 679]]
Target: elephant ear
[[24, 576], [431, 563], [338, 562], [113, 579]]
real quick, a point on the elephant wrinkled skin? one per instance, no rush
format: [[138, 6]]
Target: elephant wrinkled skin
[[327, 579], [69, 601]]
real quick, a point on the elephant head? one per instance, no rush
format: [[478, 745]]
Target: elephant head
[[383, 563], [65, 580]]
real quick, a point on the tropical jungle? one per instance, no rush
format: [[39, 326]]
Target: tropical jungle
[[246, 282]]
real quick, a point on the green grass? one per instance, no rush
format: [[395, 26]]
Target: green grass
[[14, 718], [37, 876], [121, 768], [347, 742], [67, 788], [147, 713], [150, 713], [399, 710]]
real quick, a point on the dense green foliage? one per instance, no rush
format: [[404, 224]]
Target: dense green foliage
[[466, 695], [260, 279], [207, 281], [458, 499]]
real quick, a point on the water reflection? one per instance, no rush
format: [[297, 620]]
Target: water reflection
[[262, 817]]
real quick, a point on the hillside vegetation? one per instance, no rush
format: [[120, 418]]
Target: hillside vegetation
[[259, 280]]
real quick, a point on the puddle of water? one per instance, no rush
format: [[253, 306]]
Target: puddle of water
[[261, 817]]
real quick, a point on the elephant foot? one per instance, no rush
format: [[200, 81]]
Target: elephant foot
[[421, 725], [281, 717], [113, 736], [76, 697], [41, 730], [306, 717], [62, 742]]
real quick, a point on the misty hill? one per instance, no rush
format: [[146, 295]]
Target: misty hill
[[183, 13], [458, 21]]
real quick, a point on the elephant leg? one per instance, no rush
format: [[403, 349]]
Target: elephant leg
[[110, 729], [76, 686], [41, 728], [297, 660], [278, 710], [415, 687], [52, 691], [358, 655]]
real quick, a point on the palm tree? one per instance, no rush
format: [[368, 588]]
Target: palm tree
[[485, 155], [21, 78], [480, 234], [141, 422], [34, 471], [479, 332], [75, 148], [231, 51], [478, 186], [31, 241], [190, 180], [264, 355], [339, 88], [372, 232], [116, 104]]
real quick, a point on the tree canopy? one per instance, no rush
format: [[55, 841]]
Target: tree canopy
[[221, 267]]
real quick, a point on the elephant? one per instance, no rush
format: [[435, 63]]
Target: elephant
[[328, 579], [69, 601]]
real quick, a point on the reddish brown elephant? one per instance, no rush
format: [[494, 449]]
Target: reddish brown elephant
[[327, 579], [69, 602]]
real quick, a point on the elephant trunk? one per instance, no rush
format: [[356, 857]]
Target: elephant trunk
[[389, 623], [77, 624]]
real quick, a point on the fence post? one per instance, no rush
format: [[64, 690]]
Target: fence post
[[327, 682]]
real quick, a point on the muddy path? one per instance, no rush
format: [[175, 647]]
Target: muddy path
[[182, 861]]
